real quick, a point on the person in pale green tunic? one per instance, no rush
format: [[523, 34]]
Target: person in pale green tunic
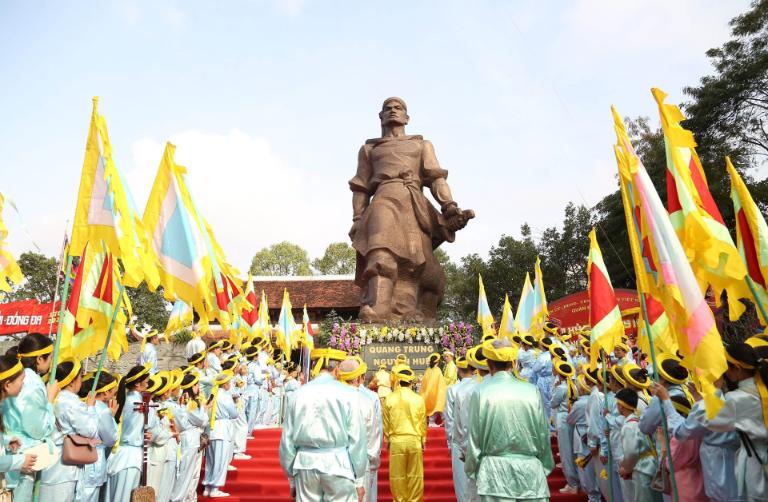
[[509, 453], [11, 381], [29, 416], [323, 447]]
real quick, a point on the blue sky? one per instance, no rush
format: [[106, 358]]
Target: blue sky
[[268, 102]]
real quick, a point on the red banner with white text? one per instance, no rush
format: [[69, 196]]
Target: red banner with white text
[[28, 316]]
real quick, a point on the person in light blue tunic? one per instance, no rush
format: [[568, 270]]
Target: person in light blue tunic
[[124, 464], [29, 416], [205, 374], [456, 403], [214, 356], [717, 451], [148, 354], [218, 454], [742, 412], [253, 382], [563, 396], [191, 422], [577, 418], [60, 481], [673, 376], [596, 426], [542, 368], [95, 475], [640, 460], [526, 357], [476, 360], [164, 452], [11, 382]]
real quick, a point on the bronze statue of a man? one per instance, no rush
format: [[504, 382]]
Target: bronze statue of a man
[[395, 228]]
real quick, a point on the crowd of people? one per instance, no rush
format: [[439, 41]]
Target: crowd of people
[[501, 404], [204, 409]]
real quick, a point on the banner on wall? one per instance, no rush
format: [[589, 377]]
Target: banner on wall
[[29, 316], [573, 310]]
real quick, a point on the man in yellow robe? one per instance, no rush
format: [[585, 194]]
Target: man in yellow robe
[[450, 373], [405, 429], [433, 388]]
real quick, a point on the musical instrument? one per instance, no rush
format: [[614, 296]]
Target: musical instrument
[[143, 493]]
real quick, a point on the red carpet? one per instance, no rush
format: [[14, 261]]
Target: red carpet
[[261, 479]]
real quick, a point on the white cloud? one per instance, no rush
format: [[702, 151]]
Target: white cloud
[[250, 196]]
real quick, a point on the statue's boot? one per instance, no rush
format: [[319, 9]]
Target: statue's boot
[[406, 299], [379, 306], [428, 303]]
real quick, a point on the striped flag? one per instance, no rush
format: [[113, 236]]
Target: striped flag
[[250, 317], [604, 313], [181, 316], [90, 307], [106, 212], [507, 326], [645, 268], [540, 311], [751, 238], [484, 316], [286, 326], [695, 217], [524, 313], [177, 236], [309, 334], [674, 281]]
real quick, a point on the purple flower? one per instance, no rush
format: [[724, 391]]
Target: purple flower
[[332, 341], [463, 351], [461, 324], [353, 328], [452, 327], [444, 340], [469, 328], [346, 344], [356, 342], [335, 326], [343, 331]]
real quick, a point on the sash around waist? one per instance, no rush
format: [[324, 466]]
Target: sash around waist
[[335, 449]]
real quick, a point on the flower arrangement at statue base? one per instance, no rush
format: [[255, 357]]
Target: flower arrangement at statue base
[[353, 337]]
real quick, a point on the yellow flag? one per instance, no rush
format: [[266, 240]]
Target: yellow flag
[[9, 269]]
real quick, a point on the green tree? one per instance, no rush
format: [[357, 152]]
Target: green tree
[[729, 109], [564, 253], [39, 278], [339, 258], [283, 258], [148, 307]]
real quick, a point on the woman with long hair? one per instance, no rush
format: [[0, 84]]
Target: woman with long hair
[[11, 381], [60, 481], [95, 475], [191, 421], [29, 415], [125, 463]]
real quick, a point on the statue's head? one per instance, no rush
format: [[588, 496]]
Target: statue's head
[[394, 112]]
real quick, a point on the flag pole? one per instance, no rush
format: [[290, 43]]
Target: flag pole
[[664, 428], [58, 276], [64, 298], [607, 429], [103, 356], [758, 302]]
